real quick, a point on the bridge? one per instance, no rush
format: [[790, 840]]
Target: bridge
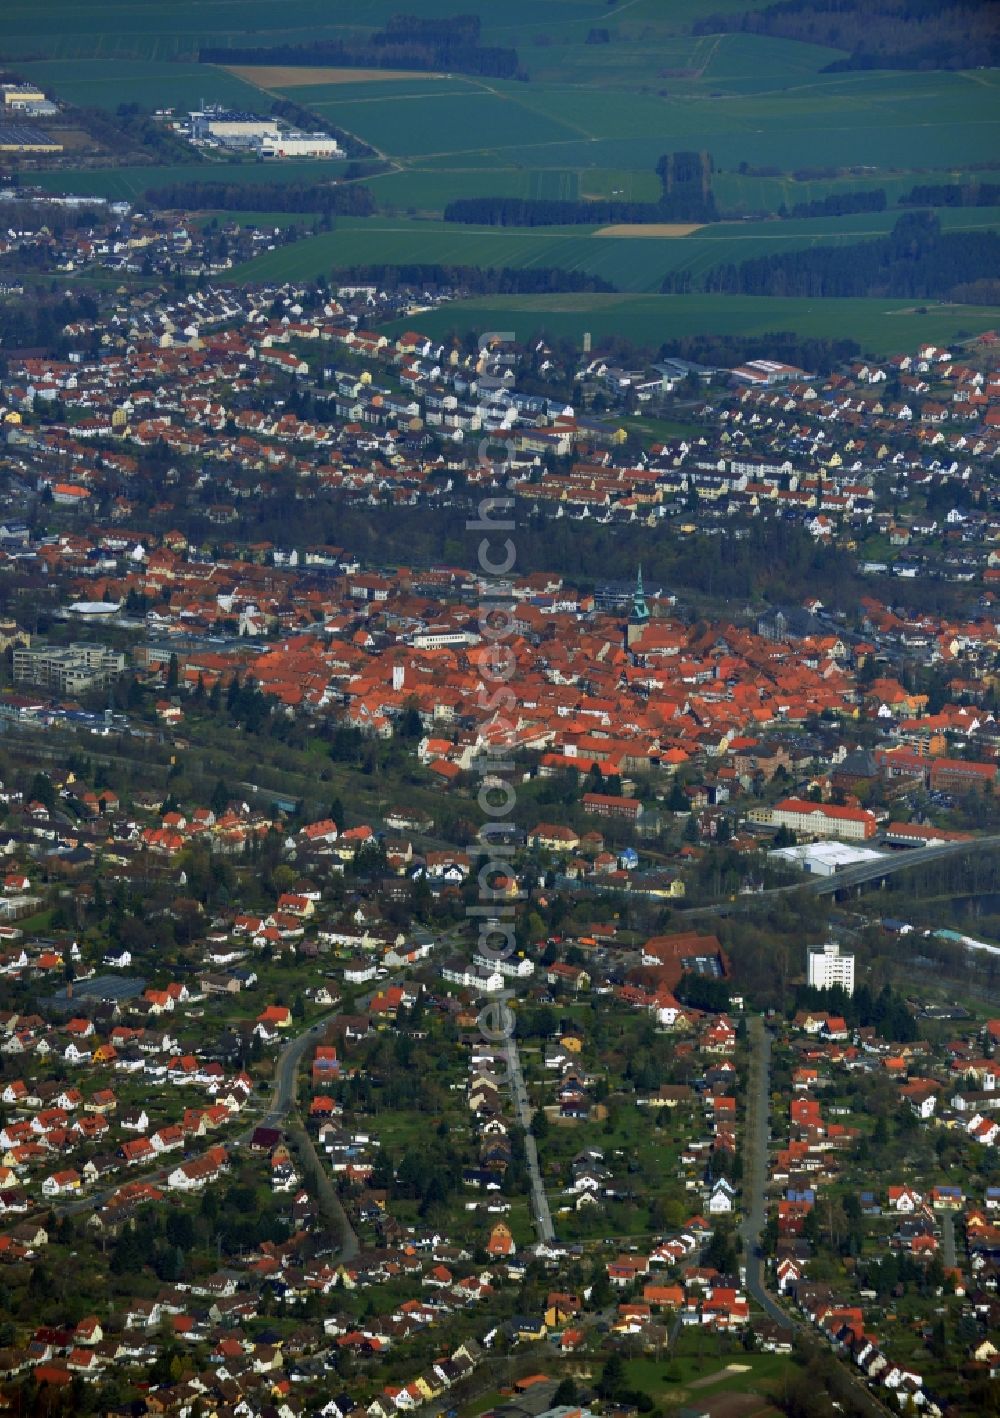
[[856, 877]]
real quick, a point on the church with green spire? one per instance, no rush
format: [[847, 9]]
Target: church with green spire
[[639, 615]]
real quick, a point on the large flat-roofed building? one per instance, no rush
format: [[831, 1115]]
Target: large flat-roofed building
[[825, 858], [301, 145], [68, 669], [827, 967], [25, 138], [232, 129], [21, 95]]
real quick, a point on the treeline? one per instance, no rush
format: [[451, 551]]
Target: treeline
[[886, 1012], [448, 43], [686, 178], [311, 122], [39, 323], [916, 260], [27, 214], [880, 34], [953, 194], [349, 200], [503, 280], [838, 204], [132, 129], [776, 559]]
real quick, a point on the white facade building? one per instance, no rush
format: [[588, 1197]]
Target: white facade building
[[827, 967]]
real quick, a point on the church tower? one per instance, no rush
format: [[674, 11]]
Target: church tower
[[639, 614]]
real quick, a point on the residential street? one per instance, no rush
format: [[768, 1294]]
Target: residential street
[[539, 1201], [281, 1104], [756, 1169]]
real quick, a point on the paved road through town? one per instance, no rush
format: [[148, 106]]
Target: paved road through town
[[522, 1108], [758, 1134], [281, 1104]]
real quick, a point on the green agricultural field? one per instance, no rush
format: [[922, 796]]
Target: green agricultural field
[[129, 183], [879, 326], [155, 29], [587, 120], [428, 191], [629, 263], [808, 119], [455, 122], [107, 82], [736, 192]]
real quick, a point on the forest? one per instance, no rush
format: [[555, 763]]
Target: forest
[[686, 178], [953, 194], [472, 280], [879, 34], [346, 199], [769, 559], [448, 44], [916, 260], [40, 323]]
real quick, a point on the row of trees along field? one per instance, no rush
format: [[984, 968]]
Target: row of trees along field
[[879, 34], [917, 259], [686, 178], [347, 199], [445, 43], [473, 280]]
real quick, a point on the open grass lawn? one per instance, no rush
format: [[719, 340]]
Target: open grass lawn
[[661, 1378]]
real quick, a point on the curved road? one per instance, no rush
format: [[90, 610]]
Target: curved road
[[282, 1102]]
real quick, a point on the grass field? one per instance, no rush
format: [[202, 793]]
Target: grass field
[[590, 120], [129, 183], [152, 29], [629, 264], [873, 119], [107, 82], [879, 326]]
